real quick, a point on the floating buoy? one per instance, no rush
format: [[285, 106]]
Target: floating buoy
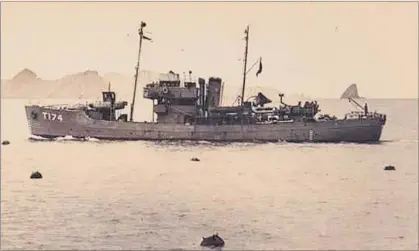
[[36, 175], [6, 142], [212, 241], [389, 168], [195, 159]]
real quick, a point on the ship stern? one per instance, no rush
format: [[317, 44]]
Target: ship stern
[[365, 131]]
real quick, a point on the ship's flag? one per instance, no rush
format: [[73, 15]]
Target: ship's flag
[[260, 67]]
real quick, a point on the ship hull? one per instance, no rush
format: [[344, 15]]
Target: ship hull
[[51, 123]]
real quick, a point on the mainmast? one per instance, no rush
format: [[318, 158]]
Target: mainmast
[[137, 68], [246, 32]]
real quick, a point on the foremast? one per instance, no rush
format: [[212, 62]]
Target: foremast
[[137, 68]]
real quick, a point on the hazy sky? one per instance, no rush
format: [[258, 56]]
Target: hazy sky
[[313, 48]]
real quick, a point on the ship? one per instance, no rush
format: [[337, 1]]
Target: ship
[[191, 110]]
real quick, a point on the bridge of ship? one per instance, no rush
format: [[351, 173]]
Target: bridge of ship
[[199, 102]]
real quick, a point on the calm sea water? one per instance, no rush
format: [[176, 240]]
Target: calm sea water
[[144, 195]]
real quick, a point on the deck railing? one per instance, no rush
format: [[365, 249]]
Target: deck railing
[[363, 115]]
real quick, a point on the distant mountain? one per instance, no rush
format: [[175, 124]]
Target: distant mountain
[[89, 84], [86, 85], [25, 75], [350, 92]]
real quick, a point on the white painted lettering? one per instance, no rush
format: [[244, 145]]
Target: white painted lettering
[[60, 117], [52, 116], [310, 135]]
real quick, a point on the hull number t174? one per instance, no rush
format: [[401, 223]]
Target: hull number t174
[[52, 116]]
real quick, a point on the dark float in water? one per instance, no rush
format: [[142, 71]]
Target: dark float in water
[[36, 175], [212, 241], [389, 168]]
